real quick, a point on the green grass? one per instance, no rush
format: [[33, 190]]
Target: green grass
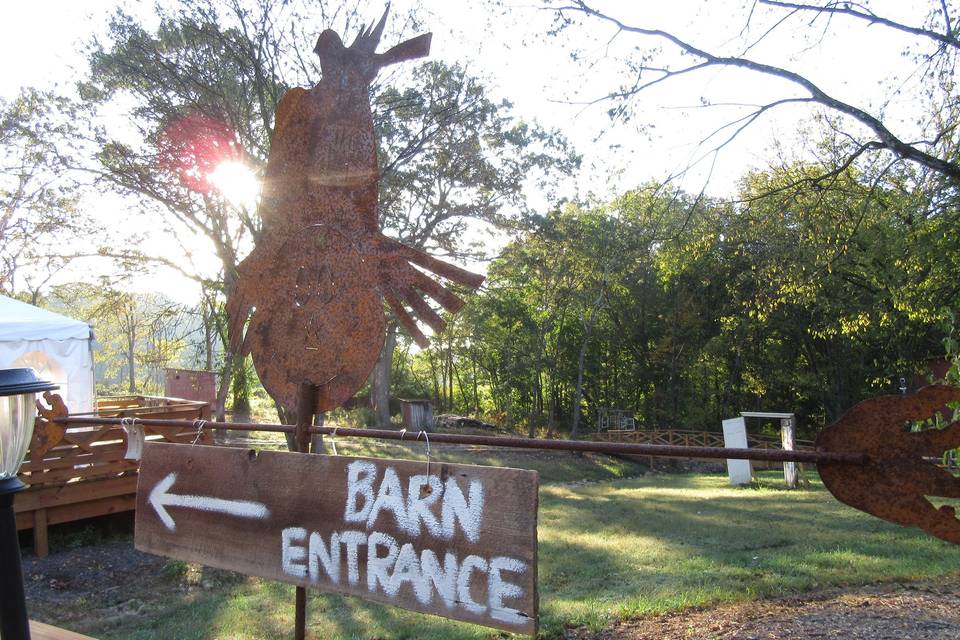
[[609, 551], [553, 466]]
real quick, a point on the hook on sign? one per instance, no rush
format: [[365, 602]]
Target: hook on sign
[[426, 488], [135, 438], [198, 425]]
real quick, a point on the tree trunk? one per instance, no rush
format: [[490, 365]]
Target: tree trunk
[[476, 390], [131, 357], [380, 379], [208, 336], [535, 405], [226, 377], [241, 391], [433, 379], [578, 392]]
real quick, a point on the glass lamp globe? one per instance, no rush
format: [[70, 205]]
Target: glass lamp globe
[[18, 392]]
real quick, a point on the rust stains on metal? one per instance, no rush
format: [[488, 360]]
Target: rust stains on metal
[[313, 288], [899, 473]]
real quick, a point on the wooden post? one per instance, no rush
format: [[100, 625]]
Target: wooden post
[[306, 404], [300, 618], [41, 544]]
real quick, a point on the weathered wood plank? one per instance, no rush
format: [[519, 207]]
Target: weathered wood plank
[[79, 511], [41, 542], [459, 541], [108, 453], [91, 508], [96, 470], [32, 499], [41, 631]]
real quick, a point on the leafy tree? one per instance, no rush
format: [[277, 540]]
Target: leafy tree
[[453, 161], [836, 275], [205, 86], [138, 335], [39, 216], [687, 310]]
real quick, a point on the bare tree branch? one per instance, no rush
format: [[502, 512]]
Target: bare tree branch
[[862, 13], [886, 139]]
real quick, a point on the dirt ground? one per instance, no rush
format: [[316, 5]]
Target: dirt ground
[[911, 611], [94, 586]]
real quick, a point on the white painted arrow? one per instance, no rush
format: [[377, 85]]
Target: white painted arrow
[[160, 499]]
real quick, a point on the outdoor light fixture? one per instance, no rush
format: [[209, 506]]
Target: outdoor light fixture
[[18, 389]]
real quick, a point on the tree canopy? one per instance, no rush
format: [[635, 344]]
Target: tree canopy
[[806, 302], [828, 274]]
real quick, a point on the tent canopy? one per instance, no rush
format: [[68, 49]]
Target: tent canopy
[[22, 321], [56, 346]]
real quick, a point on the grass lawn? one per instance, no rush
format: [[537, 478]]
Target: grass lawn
[[613, 549], [553, 466]]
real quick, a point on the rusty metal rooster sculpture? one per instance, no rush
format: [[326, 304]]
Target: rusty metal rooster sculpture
[[311, 293]]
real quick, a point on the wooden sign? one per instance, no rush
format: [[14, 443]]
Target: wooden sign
[[459, 541]]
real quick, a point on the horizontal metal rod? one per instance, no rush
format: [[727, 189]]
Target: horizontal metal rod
[[620, 448]]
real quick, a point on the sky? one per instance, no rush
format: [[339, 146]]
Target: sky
[[508, 44]]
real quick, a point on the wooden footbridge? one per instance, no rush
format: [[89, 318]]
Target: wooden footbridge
[[688, 438]]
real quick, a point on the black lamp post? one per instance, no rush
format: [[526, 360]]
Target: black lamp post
[[18, 389]]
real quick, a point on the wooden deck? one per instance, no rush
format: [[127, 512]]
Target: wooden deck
[[41, 631], [86, 475]]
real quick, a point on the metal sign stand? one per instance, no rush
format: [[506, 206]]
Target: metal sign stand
[[306, 404]]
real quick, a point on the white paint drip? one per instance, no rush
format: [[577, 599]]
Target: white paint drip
[[160, 499]]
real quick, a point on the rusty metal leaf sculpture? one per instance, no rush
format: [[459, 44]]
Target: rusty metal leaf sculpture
[[901, 470], [313, 288]]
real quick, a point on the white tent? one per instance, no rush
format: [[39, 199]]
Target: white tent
[[58, 347]]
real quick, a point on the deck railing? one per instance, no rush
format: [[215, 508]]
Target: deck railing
[[86, 474], [688, 438]]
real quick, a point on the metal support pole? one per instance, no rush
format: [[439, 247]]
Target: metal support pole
[[306, 404], [300, 618], [14, 624]]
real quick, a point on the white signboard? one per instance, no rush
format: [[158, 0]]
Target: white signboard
[[735, 436]]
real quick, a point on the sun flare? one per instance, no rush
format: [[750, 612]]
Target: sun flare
[[236, 182]]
